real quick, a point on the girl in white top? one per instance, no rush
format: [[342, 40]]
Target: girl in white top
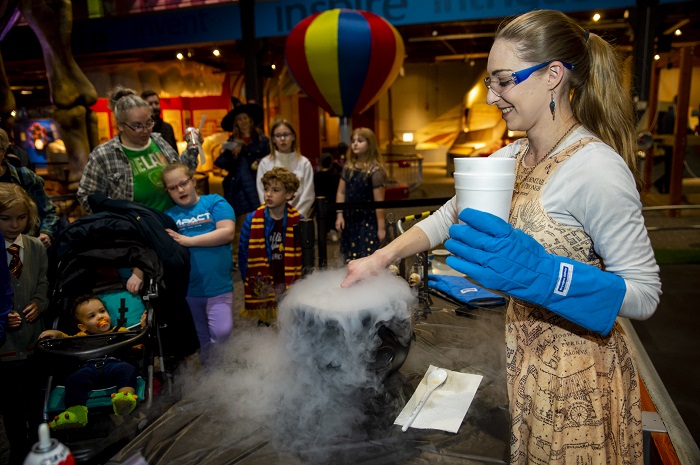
[[284, 154]]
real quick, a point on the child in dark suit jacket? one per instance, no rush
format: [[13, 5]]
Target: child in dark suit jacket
[[28, 264]]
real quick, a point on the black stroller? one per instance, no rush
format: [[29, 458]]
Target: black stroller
[[86, 259]]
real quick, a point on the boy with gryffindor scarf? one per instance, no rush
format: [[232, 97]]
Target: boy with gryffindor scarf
[[269, 255]]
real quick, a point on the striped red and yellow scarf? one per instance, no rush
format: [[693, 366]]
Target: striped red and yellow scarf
[[260, 298]]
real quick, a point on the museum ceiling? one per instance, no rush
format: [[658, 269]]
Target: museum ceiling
[[427, 43]]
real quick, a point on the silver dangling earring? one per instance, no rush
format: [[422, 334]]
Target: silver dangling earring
[[552, 106]]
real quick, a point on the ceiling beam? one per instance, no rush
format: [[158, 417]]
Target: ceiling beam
[[461, 57], [472, 35], [678, 25]]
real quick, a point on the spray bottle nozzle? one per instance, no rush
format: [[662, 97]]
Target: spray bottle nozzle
[[44, 436]]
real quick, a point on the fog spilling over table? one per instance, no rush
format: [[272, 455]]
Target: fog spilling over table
[[243, 428]]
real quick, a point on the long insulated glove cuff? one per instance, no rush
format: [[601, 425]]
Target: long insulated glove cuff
[[499, 257]]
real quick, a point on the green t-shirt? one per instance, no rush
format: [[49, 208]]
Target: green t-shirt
[[147, 165]]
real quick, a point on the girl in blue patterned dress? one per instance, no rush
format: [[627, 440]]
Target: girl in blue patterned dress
[[362, 180]]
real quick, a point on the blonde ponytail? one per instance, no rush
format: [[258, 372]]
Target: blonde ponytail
[[601, 102]]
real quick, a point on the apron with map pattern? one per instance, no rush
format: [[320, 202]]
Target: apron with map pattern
[[573, 394]]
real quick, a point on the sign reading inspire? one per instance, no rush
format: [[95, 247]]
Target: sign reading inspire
[[287, 13], [277, 18]]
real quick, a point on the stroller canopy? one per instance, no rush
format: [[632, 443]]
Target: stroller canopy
[[124, 234]]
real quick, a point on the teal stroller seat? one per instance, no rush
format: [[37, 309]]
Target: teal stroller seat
[[125, 309]]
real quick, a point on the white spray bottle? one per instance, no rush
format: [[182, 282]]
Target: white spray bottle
[[48, 451]]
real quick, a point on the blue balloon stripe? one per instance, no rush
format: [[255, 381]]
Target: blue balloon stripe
[[354, 52]]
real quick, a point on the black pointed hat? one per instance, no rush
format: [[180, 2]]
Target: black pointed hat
[[253, 110]]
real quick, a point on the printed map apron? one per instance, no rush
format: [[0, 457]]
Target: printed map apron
[[573, 394]]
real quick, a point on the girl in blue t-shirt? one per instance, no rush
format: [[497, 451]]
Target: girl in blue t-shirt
[[206, 225]]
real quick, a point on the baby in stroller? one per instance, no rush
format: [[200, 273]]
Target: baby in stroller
[[92, 317], [86, 258]]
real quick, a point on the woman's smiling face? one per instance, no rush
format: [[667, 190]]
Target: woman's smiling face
[[521, 104], [243, 122]]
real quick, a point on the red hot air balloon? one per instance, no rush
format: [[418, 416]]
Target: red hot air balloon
[[344, 59]]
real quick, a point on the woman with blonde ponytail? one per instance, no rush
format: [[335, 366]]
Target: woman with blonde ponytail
[[574, 254]]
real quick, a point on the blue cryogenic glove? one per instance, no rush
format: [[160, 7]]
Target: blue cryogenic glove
[[462, 290], [499, 257]]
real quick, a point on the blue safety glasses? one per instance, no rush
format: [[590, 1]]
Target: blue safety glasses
[[516, 78]]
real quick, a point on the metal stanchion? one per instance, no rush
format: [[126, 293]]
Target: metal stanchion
[[304, 230], [424, 291], [321, 220]]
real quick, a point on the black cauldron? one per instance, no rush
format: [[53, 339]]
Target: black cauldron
[[360, 332]]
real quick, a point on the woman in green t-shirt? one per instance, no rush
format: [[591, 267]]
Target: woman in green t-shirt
[[129, 166]]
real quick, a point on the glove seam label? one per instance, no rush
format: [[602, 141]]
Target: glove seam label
[[566, 272], [468, 289]]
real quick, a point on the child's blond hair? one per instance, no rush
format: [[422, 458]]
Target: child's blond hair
[[177, 166], [12, 195]]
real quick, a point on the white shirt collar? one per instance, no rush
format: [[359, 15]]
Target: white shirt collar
[[18, 240]]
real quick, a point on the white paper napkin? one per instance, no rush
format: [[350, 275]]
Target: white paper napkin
[[447, 405]]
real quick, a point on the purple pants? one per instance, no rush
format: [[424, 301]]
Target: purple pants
[[213, 319]]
